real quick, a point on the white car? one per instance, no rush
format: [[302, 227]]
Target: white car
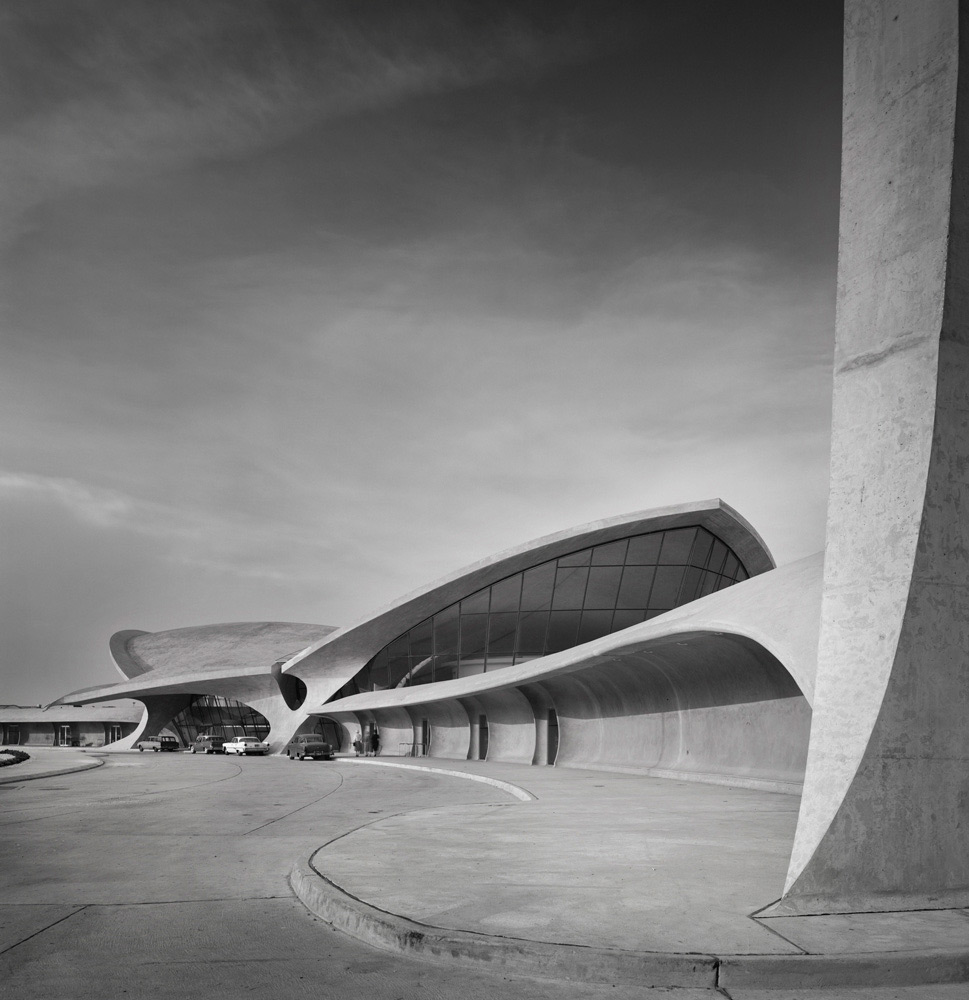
[[245, 745]]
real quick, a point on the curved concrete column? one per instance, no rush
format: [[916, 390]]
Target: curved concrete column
[[511, 725], [541, 703], [886, 802], [474, 710], [395, 726], [349, 726], [159, 711], [450, 728], [585, 727]]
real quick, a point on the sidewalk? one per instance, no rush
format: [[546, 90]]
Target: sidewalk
[[47, 762], [617, 877]]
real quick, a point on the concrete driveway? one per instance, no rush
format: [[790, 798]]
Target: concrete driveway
[[165, 876]]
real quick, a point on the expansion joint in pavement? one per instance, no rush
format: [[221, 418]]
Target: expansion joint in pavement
[[46, 927]]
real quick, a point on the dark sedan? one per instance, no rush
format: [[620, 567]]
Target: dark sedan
[[309, 745]]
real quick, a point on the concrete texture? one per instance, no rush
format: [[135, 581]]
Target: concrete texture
[[886, 800], [161, 877], [165, 875], [46, 763], [644, 865], [651, 881]]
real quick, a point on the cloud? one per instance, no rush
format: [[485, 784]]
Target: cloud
[[100, 92], [225, 543]]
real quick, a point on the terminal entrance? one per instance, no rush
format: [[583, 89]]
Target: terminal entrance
[[553, 736]]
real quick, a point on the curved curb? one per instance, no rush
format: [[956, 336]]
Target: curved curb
[[872, 969], [86, 765], [584, 963], [386, 930], [506, 786]]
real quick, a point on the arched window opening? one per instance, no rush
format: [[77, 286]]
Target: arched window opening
[[556, 605]]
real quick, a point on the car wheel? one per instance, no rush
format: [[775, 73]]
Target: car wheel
[[141, 749]]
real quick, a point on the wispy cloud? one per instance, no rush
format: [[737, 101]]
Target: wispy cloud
[[141, 88], [229, 543]]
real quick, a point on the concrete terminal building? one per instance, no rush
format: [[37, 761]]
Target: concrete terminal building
[[644, 643], [667, 642]]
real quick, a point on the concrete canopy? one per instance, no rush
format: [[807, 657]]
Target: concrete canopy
[[238, 660]]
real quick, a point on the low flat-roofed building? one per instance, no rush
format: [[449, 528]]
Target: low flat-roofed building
[[69, 725]]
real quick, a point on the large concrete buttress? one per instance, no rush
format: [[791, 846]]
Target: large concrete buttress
[[884, 819]]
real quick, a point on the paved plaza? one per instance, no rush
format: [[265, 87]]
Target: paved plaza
[[168, 876]]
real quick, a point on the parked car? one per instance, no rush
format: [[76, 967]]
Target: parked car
[[309, 745], [244, 745], [208, 743], [157, 743]]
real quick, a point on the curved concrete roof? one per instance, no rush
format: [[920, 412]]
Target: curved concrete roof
[[198, 658], [156, 662], [778, 612], [354, 645]]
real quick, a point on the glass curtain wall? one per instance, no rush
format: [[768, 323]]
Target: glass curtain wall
[[211, 714], [556, 605]]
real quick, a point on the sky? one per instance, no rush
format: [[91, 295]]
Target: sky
[[308, 303]]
